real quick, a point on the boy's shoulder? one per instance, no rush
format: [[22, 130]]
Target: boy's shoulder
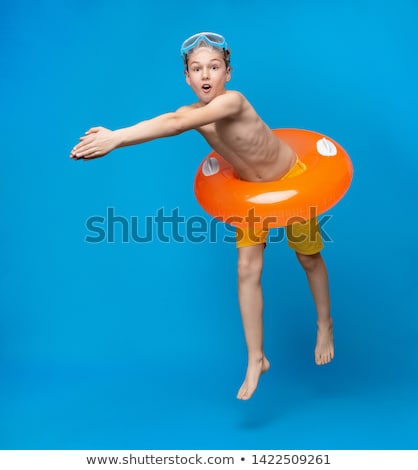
[[229, 95]]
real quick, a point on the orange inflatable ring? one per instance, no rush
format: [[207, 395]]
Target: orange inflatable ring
[[326, 179]]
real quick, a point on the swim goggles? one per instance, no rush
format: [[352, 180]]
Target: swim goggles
[[213, 39]]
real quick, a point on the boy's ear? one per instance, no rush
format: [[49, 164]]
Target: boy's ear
[[228, 74], [187, 77]]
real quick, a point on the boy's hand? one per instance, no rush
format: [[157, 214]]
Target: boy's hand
[[96, 143]]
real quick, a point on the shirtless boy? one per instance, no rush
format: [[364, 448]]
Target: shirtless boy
[[232, 128]]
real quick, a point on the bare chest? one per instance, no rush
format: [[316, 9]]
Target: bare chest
[[224, 139]]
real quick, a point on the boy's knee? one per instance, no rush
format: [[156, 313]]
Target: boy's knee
[[309, 262], [250, 267]]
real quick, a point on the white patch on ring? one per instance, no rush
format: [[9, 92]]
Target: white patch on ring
[[273, 197], [210, 166], [326, 148]]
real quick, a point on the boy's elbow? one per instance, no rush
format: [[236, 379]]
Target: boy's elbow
[[178, 124]]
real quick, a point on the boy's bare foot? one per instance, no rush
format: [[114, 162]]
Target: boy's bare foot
[[254, 371], [324, 350]]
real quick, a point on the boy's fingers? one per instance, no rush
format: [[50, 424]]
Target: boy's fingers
[[92, 130], [84, 150], [87, 137], [79, 149], [86, 154], [85, 141]]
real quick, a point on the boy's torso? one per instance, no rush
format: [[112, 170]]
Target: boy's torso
[[246, 142]]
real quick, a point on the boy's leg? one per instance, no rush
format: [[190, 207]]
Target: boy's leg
[[316, 273], [250, 266], [306, 240]]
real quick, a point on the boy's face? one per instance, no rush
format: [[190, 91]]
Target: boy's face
[[207, 73]]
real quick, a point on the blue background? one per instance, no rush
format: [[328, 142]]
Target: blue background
[[139, 345]]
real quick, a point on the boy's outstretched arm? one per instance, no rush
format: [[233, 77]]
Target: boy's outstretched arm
[[99, 141]]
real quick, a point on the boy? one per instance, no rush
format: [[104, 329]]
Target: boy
[[233, 129]]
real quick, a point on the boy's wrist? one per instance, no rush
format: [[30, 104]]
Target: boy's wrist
[[117, 137]]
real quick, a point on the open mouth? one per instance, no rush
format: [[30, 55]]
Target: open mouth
[[206, 87]]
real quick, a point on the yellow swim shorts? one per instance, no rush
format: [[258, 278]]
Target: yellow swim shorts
[[304, 237]]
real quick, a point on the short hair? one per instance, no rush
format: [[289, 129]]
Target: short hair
[[203, 43]]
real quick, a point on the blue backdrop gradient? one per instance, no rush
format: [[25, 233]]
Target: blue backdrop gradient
[[139, 345]]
